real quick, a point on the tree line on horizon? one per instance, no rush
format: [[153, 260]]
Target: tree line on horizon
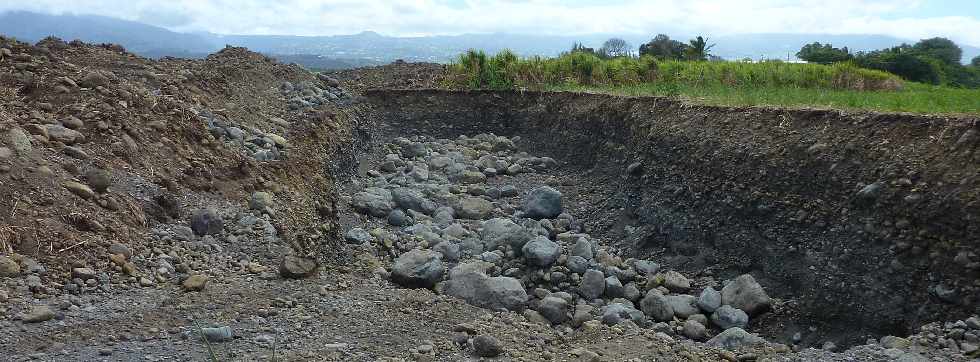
[[931, 61]]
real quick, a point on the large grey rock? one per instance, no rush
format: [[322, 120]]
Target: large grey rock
[[418, 269], [499, 231], [473, 208], [207, 222], [709, 300], [734, 338], [374, 201], [543, 203], [411, 199], [593, 284], [470, 282], [577, 264], [615, 313], [582, 248], [655, 305], [614, 287], [683, 305], [554, 309], [541, 252], [727, 317], [746, 294]]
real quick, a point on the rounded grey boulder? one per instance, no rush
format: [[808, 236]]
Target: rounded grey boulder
[[709, 300], [543, 203], [541, 252], [554, 309], [207, 222], [418, 268], [656, 306], [727, 317], [593, 284], [746, 294]]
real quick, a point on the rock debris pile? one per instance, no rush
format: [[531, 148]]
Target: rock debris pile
[[457, 217]]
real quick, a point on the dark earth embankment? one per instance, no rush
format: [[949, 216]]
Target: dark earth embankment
[[862, 224]]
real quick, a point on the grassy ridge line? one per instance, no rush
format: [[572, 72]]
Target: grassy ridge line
[[475, 69], [839, 86], [915, 98]]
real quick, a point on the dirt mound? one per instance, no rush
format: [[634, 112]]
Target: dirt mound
[[397, 75], [99, 145]]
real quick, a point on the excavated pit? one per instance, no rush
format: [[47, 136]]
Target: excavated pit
[[860, 225]]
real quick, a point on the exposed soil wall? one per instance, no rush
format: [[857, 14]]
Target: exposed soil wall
[[783, 194]]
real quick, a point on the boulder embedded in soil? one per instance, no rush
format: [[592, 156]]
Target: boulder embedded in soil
[[746, 294], [418, 269], [543, 203]]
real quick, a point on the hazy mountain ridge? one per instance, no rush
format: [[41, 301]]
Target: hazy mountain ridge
[[369, 48]]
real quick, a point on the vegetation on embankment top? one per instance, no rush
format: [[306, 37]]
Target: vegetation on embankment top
[[840, 85]]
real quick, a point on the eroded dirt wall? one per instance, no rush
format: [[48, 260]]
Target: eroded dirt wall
[[863, 224]]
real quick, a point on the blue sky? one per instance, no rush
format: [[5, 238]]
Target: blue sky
[[910, 19]]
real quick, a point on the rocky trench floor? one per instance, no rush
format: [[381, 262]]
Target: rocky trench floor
[[461, 249]]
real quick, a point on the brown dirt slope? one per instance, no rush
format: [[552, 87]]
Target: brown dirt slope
[[68, 110]]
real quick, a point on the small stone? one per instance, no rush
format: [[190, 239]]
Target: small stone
[[38, 314], [93, 79], [72, 122], [734, 338], [218, 334], [207, 222], [83, 273], [261, 201], [676, 281], [19, 140], [121, 249], [486, 346], [63, 134], [727, 317], [695, 330], [297, 267], [8, 267], [635, 169], [79, 189], [358, 236], [195, 283]]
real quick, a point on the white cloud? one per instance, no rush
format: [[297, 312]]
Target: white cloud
[[418, 17]]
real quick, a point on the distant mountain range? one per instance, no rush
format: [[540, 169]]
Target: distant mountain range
[[369, 48]]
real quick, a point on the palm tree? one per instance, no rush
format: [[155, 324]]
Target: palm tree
[[699, 48]]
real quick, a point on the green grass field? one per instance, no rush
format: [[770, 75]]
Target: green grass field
[[838, 86]]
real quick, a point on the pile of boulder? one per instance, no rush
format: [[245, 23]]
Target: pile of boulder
[[454, 217], [312, 94]]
